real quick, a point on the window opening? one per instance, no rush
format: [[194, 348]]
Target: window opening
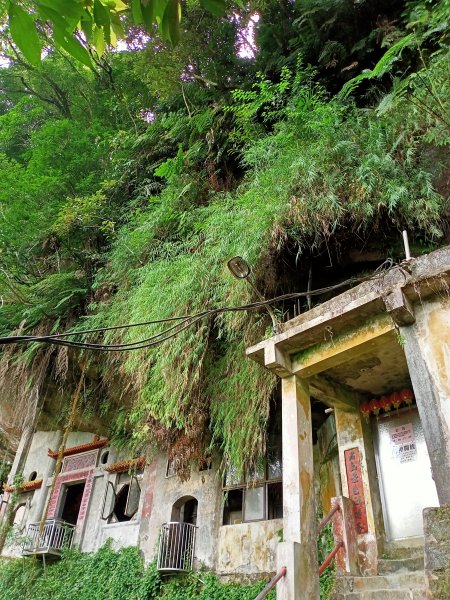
[[255, 503], [104, 458], [172, 466], [32, 476], [275, 500], [121, 501], [71, 504], [232, 513], [258, 494], [205, 464]]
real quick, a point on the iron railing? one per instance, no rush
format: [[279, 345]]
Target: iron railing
[[54, 537], [326, 563], [176, 546], [272, 583]]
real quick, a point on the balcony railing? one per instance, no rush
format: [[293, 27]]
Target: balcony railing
[[176, 546], [55, 536]]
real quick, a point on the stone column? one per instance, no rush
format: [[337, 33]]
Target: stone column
[[298, 551], [436, 525], [41, 495], [427, 349], [352, 433]]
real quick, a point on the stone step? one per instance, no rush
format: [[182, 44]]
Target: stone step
[[407, 585], [396, 565], [407, 580], [398, 550], [381, 594]]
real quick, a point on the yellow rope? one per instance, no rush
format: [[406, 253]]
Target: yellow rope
[[59, 460]]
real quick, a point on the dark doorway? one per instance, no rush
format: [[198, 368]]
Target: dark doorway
[[185, 510], [73, 495], [190, 512]]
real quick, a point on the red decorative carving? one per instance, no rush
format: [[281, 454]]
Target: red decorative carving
[[80, 461], [88, 475], [94, 445], [355, 487]]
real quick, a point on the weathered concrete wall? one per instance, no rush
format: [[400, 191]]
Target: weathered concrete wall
[[243, 551], [97, 531], [37, 459], [204, 486], [427, 349], [249, 549], [437, 552]]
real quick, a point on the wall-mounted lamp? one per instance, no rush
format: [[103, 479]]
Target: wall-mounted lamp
[[240, 269]]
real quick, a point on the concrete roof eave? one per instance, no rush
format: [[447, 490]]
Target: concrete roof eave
[[393, 292]]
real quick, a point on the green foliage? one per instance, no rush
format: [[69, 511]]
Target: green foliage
[[99, 22], [383, 66], [325, 545], [123, 199], [109, 575]]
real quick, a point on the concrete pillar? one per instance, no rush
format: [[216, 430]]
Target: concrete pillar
[[344, 529], [298, 551], [41, 500], [427, 349], [353, 433], [436, 525]]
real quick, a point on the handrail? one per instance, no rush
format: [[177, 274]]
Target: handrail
[[272, 583], [330, 557], [56, 535], [337, 547], [326, 519], [176, 546]]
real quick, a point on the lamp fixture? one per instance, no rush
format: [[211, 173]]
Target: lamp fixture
[[240, 269]]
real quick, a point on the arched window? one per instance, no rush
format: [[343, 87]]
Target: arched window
[[185, 510]]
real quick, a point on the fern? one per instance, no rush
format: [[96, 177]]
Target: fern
[[383, 66]]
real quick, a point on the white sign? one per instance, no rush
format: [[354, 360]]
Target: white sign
[[403, 442]]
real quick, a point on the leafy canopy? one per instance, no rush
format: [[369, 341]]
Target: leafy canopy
[[78, 25]]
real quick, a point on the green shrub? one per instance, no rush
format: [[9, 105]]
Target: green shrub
[[111, 575]]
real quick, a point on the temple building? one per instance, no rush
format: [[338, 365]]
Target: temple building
[[359, 432]]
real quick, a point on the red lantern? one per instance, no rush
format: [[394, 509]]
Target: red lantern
[[407, 396], [385, 403], [366, 410], [395, 399], [375, 406]]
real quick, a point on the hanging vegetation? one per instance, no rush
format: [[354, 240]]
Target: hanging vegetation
[[124, 200]]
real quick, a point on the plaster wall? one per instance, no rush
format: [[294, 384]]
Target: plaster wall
[[204, 486], [37, 459], [248, 549], [244, 551]]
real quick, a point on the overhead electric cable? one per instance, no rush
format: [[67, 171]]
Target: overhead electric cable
[[183, 322]]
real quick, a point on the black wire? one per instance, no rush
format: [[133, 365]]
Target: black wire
[[183, 321]]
